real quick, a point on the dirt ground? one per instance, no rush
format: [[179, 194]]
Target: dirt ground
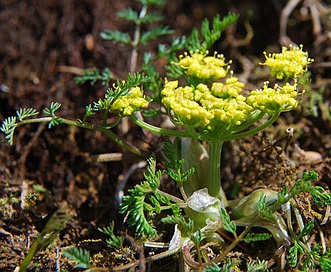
[[44, 44]]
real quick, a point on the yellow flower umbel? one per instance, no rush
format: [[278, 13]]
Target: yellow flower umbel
[[205, 108], [276, 99], [128, 104], [290, 63], [204, 67], [217, 109], [185, 105]]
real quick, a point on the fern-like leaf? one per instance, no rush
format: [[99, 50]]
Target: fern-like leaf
[[116, 36], [263, 208], [325, 260], [177, 44], [113, 240], [320, 196], [80, 256], [227, 224], [9, 125], [307, 229], [210, 35], [155, 33], [51, 111], [128, 14], [257, 265], [293, 254], [174, 163], [8, 128], [170, 52], [24, 113], [193, 42], [94, 76], [145, 199], [151, 18], [175, 71], [137, 217], [135, 203], [186, 227]]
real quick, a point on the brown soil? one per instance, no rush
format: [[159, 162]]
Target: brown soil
[[44, 44]]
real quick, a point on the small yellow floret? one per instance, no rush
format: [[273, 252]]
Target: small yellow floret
[[200, 107], [182, 102], [277, 99], [204, 67], [231, 88], [130, 103], [288, 64]]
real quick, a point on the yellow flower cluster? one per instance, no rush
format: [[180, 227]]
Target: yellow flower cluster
[[182, 102], [128, 104], [204, 67], [220, 104], [288, 64], [204, 107], [277, 99]]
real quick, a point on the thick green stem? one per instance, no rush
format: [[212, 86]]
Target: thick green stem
[[215, 188]]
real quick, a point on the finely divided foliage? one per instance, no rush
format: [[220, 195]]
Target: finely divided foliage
[[9, 124], [204, 100]]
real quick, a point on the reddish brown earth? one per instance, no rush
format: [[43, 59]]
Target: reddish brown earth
[[44, 44]]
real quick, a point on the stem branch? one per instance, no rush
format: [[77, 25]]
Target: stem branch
[[161, 131], [89, 126], [254, 130]]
